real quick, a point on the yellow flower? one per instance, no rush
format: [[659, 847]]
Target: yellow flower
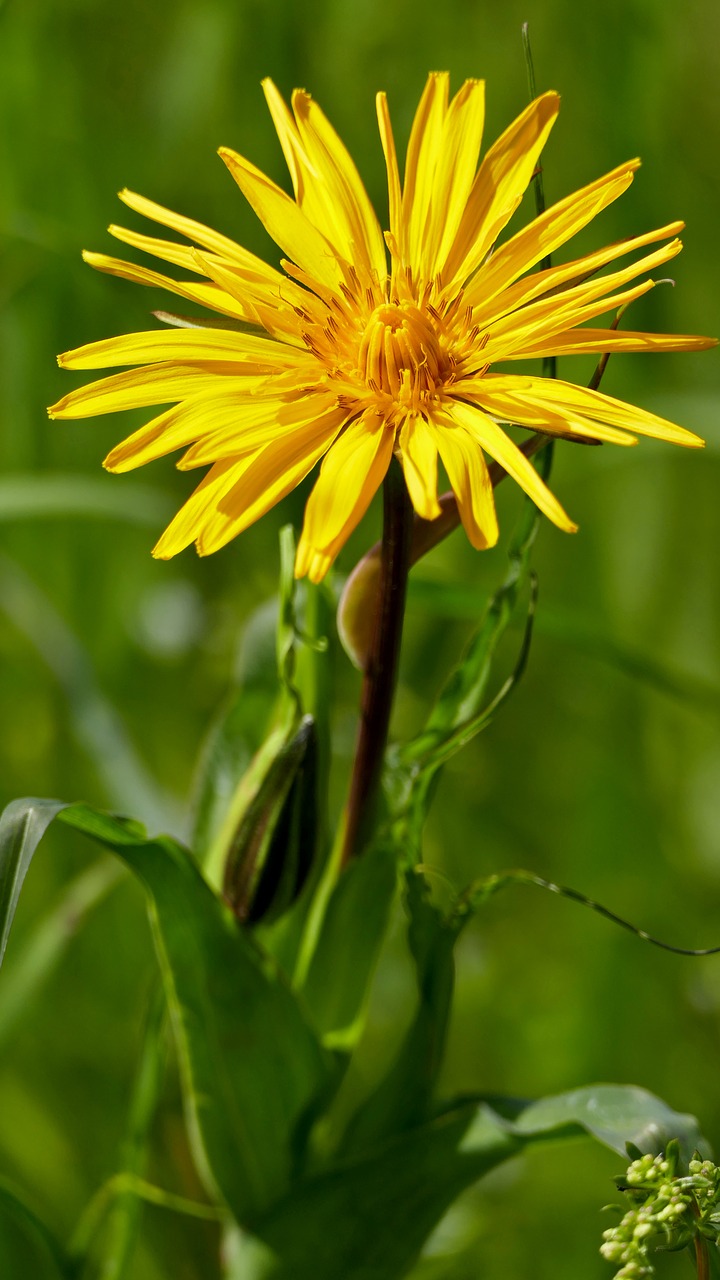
[[371, 344]]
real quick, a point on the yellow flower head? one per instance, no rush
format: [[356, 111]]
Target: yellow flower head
[[369, 344]]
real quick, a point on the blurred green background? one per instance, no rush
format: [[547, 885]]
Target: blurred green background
[[601, 773]]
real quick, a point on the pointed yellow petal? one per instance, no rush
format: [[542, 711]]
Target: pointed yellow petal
[[456, 171], [500, 185], [195, 231], [469, 479], [573, 306], [419, 463], [522, 338], [277, 469], [423, 155], [565, 397], [343, 189], [493, 439], [397, 226], [520, 400], [547, 232], [558, 279], [595, 341], [284, 221], [207, 295], [158, 384], [175, 429], [188, 522], [245, 427], [350, 475], [182, 345]]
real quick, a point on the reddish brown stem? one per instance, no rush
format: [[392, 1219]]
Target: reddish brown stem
[[380, 671]]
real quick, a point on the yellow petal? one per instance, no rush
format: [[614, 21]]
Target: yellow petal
[[207, 295], [595, 341], [469, 480], [565, 397], [423, 155], [351, 473], [547, 232], [500, 185], [252, 425], [277, 469], [556, 280], [419, 463], [341, 186], [189, 521], [520, 400], [195, 231], [182, 345], [158, 384], [521, 339], [397, 226], [579, 299], [285, 221], [456, 171], [174, 429], [493, 439]]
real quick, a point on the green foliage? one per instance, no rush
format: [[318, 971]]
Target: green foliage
[[256, 1078], [347, 946]]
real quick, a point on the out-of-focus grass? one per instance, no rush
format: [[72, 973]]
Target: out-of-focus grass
[[603, 770]]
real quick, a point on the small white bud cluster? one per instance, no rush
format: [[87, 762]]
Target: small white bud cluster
[[669, 1211]]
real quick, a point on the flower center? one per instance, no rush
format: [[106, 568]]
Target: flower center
[[400, 354]]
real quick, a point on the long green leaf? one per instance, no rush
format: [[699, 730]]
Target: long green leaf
[[403, 1097], [336, 987], [22, 826], [254, 1072], [368, 1219]]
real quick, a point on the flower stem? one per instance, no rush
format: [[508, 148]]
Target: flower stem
[[702, 1261], [381, 669]]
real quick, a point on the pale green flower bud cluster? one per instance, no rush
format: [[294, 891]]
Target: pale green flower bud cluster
[[669, 1210]]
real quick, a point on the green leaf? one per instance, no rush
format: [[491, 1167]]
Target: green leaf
[[22, 826], [336, 987], [50, 1257], [368, 1219], [403, 1097], [125, 1212], [254, 1072], [615, 1115]]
